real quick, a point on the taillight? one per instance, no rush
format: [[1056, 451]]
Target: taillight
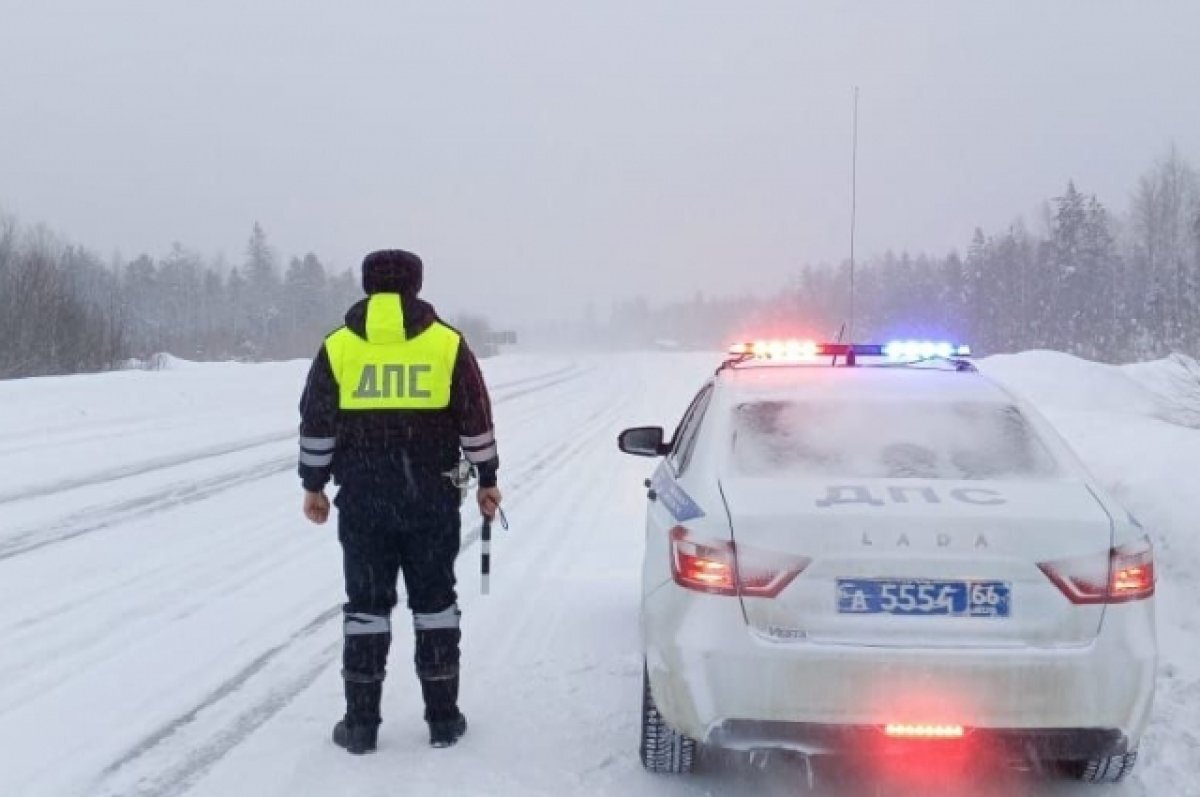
[[721, 568], [703, 566], [1132, 572], [1125, 573]]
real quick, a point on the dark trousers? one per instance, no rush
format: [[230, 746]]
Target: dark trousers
[[385, 534]]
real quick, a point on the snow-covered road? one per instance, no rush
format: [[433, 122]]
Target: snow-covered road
[[170, 624]]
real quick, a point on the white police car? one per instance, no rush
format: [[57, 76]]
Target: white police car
[[891, 552]]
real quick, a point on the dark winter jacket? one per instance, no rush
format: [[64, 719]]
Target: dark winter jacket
[[399, 450]]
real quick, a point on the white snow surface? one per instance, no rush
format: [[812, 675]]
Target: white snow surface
[[171, 624]]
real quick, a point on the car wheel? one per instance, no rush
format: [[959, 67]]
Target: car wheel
[[663, 748], [1109, 769]]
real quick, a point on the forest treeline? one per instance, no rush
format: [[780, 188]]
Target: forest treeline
[[64, 310], [1104, 285]]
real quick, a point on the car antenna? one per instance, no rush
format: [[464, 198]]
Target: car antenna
[[853, 221], [850, 359], [853, 207]]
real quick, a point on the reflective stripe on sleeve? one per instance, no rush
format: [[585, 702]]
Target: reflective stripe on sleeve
[[318, 444], [481, 456], [316, 460], [479, 440]]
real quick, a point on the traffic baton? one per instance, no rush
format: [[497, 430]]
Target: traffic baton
[[485, 549], [485, 555]]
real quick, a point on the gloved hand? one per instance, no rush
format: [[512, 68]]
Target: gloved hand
[[489, 501], [316, 506]]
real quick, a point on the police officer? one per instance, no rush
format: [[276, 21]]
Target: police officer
[[392, 399]]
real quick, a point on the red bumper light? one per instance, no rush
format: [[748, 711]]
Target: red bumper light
[[904, 731]]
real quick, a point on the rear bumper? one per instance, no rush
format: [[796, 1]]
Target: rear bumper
[[715, 680], [1048, 744]]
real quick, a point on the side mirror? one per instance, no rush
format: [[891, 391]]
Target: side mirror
[[643, 441]]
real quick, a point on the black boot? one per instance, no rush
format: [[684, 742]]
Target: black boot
[[446, 733], [356, 739], [446, 722], [358, 731], [437, 659]]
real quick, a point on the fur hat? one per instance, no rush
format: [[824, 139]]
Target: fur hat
[[392, 271]]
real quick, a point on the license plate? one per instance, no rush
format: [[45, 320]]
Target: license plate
[[923, 598]]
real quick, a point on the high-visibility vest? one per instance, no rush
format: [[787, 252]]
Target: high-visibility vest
[[388, 371]]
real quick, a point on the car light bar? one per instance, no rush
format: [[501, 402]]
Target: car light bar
[[794, 350], [903, 731]]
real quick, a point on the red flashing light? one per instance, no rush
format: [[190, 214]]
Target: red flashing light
[[787, 350]]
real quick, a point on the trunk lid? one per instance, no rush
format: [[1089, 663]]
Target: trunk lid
[[909, 532]]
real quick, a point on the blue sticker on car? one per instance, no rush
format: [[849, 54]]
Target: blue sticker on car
[[678, 503]]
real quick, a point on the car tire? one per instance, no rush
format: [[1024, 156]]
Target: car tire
[[1109, 769], [664, 749]]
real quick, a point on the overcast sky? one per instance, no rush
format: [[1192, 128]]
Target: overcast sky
[[538, 154]]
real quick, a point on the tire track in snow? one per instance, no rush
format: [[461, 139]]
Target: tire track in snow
[[145, 466], [176, 495], [506, 390], [534, 469], [501, 392], [236, 574], [569, 374], [181, 777], [179, 494]]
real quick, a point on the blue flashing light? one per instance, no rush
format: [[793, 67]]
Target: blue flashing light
[[924, 350]]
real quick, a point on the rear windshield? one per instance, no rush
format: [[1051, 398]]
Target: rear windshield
[[897, 440]]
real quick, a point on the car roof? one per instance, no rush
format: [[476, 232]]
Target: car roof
[[860, 383]]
